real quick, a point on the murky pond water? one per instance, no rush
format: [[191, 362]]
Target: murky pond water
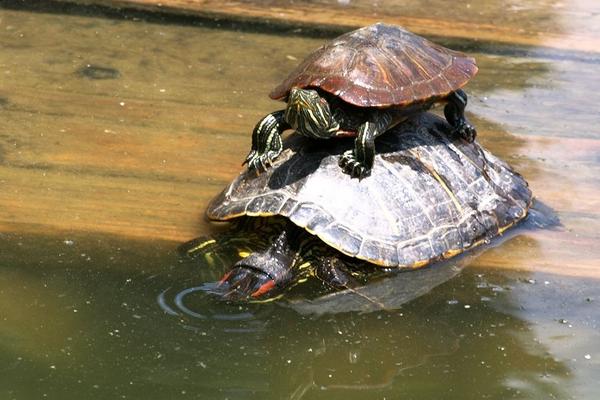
[[115, 133], [95, 317]]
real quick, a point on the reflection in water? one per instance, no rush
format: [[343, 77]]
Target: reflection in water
[[381, 289], [90, 326], [387, 353]]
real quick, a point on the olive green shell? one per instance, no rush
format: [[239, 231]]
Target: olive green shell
[[381, 66], [427, 197]]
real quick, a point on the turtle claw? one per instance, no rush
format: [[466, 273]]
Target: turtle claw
[[256, 163], [353, 167], [249, 157], [466, 131], [260, 162]]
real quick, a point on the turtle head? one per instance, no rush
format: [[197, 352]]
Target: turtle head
[[256, 276], [263, 273], [309, 113]]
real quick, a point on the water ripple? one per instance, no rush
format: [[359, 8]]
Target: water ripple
[[195, 306]]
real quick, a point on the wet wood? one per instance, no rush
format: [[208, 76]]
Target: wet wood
[[503, 26], [140, 151]]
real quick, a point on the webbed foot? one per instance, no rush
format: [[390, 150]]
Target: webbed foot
[[352, 166]]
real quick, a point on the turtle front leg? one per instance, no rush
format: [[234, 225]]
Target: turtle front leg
[[266, 141], [455, 115], [358, 162], [334, 273]]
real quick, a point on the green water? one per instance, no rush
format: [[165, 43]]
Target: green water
[[82, 318], [96, 196]]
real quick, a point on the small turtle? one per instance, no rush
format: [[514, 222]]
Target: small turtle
[[361, 85], [430, 198]]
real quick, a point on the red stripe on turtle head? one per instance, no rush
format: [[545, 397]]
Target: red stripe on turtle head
[[264, 288]]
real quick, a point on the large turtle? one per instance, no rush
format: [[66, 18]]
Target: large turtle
[[431, 197], [362, 84]]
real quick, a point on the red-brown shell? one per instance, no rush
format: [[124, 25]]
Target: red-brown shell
[[381, 66]]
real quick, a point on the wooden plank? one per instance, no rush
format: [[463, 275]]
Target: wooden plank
[[46, 201], [480, 24], [141, 155]]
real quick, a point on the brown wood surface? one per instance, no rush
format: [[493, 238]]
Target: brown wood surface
[[501, 25], [141, 155]]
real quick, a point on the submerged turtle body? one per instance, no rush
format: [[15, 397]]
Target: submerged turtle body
[[362, 84], [381, 66], [428, 198]]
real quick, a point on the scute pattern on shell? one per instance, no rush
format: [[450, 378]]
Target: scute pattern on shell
[[381, 66], [428, 197]]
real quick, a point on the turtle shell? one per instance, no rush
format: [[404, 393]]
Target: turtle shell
[[381, 66], [427, 197]]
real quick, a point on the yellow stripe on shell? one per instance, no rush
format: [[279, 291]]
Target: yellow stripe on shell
[[441, 182]]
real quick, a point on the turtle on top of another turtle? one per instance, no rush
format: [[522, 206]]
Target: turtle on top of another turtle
[[430, 198], [362, 84]]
